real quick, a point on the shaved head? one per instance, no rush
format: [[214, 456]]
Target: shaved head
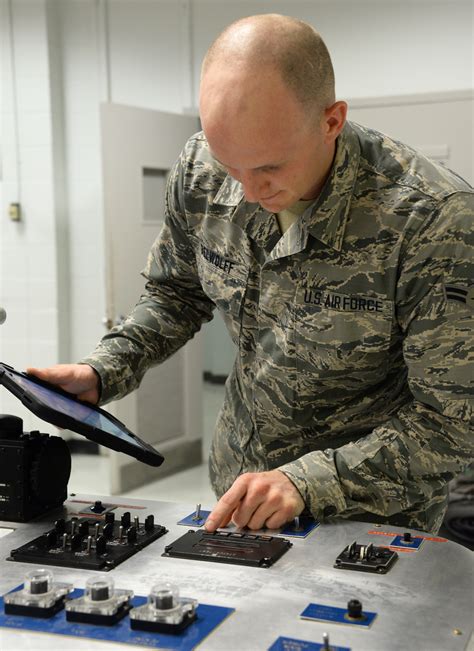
[[268, 110], [285, 45]]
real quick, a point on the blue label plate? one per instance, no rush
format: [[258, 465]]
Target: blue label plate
[[189, 520], [290, 644], [335, 615], [208, 618], [307, 525], [414, 544]]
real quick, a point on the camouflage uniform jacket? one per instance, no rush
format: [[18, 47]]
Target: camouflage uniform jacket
[[352, 372]]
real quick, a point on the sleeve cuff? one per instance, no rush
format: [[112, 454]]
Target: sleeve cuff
[[315, 477], [97, 367]]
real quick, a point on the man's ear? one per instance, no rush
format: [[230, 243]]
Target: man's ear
[[334, 120]]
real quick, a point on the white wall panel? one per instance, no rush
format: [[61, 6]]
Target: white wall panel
[[28, 19], [33, 128], [29, 249], [81, 81], [33, 92], [378, 47], [145, 40]]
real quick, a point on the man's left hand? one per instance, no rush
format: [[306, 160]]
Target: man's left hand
[[256, 500]]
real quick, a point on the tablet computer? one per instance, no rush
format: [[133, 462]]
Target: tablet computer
[[63, 409]]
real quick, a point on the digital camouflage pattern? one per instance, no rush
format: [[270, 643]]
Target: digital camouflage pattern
[[354, 367]]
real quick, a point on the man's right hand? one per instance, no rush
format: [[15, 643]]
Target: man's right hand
[[79, 379]]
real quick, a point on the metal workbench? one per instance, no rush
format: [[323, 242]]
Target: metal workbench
[[424, 602]]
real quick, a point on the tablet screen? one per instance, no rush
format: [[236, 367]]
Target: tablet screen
[[77, 410], [63, 410]]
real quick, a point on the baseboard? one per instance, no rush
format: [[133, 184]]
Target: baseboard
[[82, 447], [214, 379]]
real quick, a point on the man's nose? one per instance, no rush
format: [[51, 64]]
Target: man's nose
[[252, 185]]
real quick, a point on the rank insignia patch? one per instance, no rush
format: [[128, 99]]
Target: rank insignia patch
[[460, 293]]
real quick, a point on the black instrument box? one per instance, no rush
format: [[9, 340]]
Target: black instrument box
[[34, 471]]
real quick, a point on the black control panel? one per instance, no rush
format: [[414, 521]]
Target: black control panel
[[87, 543], [229, 547], [366, 558]]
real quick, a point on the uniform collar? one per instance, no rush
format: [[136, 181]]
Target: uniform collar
[[260, 225], [230, 193], [326, 218]]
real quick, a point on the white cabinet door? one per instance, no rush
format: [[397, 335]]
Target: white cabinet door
[[440, 125], [139, 147]]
